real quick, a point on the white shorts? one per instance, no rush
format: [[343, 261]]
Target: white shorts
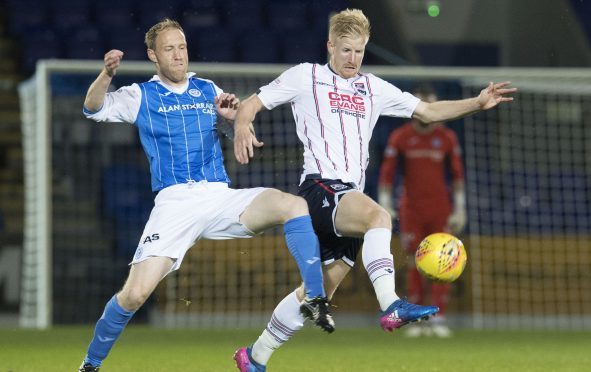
[[186, 213]]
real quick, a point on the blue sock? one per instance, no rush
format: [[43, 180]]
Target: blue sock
[[107, 330], [304, 247]]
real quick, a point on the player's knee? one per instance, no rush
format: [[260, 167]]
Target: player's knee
[[299, 207], [293, 206], [132, 299], [281, 207], [379, 218]]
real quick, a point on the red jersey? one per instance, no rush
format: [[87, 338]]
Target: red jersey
[[425, 157]]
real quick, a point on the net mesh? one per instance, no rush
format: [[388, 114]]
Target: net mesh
[[529, 180]]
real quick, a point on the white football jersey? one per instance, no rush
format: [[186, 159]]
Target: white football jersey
[[335, 116]]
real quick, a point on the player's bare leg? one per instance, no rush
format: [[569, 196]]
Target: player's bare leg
[[358, 215], [273, 207], [143, 279]]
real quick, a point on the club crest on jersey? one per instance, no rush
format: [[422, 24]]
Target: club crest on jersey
[[195, 92], [436, 142], [338, 187], [138, 253], [360, 88]]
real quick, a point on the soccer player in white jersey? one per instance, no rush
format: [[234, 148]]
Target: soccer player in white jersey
[[335, 108], [175, 113]]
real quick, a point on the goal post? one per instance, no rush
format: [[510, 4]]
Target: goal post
[[36, 288], [528, 176]]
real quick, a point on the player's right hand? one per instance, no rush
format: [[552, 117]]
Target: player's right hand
[[244, 142], [112, 61], [494, 94]]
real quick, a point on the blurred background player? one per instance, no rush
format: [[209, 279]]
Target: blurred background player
[[335, 108], [175, 114], [426, 155]]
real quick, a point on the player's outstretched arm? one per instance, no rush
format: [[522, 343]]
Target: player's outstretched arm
[[488, 98], [95, 96], [244, 138]]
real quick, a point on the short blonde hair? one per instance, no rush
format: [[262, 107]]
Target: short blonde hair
[[154, 31], [348, 23]]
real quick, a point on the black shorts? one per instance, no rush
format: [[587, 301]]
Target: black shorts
[[323, 196]]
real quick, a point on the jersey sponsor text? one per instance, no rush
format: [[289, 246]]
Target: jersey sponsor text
[[207, 108]]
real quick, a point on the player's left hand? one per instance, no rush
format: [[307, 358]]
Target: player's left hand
[[457, 221], [494, 94], [245, 141], [226, 104]]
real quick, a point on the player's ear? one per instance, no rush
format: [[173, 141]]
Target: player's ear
[[330, 48], [152, 56]]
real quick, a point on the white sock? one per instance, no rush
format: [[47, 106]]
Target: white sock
[[379, 263], [285, 321]]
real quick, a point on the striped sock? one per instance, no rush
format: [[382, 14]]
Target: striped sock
[[285, 321], [379, 264]]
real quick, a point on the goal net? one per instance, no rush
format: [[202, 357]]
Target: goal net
[[529, 182], [88, 196]]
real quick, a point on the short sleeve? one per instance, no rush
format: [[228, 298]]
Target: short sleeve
[[396, 103], [283, 89], [121, 106]]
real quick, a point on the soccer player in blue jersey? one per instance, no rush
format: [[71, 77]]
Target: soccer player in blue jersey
[[175, 113]]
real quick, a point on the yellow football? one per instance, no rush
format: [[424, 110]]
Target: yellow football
[[441, 257]]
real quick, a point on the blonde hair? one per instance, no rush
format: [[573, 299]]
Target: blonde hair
[[154, 31], [348, 23]]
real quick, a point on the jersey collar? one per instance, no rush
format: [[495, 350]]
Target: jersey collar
[[174, 89], [339, 76], [345, 82]]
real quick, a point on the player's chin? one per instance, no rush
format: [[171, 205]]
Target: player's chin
[[179, 74], [350, 72]]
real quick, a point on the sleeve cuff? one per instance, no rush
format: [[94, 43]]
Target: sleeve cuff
[[88, 112]]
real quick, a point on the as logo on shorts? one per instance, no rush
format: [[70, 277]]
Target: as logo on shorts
[[151, 238]]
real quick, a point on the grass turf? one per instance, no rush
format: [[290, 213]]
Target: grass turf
[[142, 348]]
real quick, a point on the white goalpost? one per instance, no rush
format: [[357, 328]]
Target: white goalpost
[[528, 174], [36, 288]]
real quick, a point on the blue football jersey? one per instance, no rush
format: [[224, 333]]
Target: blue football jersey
[[177, 128], [178, 133]]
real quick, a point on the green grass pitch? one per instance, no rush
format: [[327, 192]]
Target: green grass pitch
[[141, 348]]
